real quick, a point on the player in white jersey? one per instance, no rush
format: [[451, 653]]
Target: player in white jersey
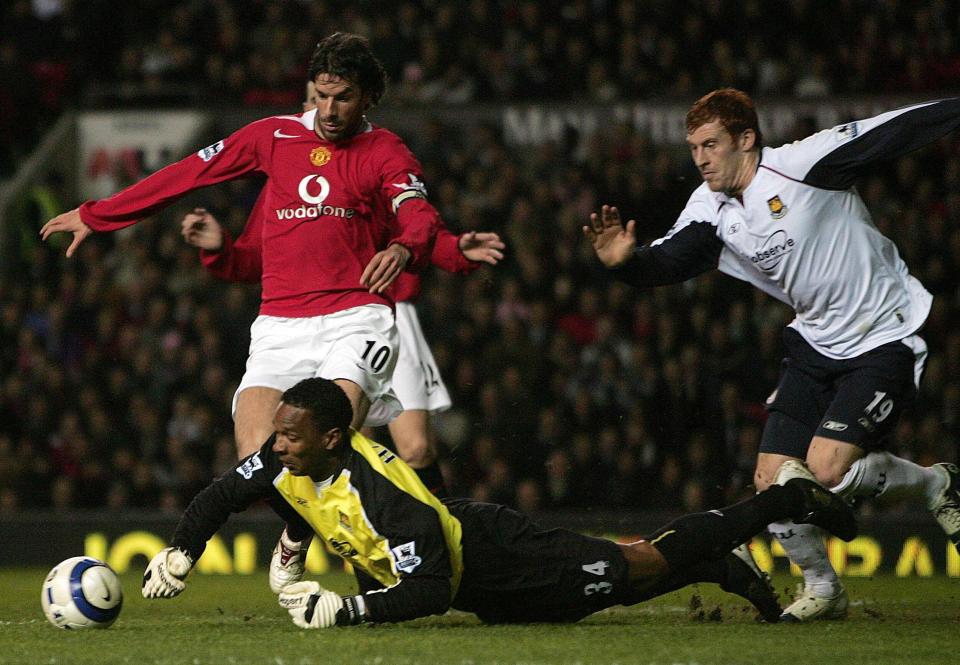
[[789, 221]]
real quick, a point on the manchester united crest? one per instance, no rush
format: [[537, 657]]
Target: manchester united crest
[[777, 209], [320, 156]]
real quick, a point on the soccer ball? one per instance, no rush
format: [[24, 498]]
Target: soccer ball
[[81, 592]]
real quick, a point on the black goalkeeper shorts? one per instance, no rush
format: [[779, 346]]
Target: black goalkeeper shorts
[[857, 401], [516, 572]]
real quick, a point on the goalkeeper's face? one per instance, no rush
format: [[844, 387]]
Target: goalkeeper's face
[[302, 448]]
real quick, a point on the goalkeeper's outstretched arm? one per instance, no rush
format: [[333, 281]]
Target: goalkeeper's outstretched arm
[[233, 492]]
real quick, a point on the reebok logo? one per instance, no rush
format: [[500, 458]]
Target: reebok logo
[[834, 426]]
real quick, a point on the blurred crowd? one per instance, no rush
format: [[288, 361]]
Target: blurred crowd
[[54, 53], [570, 390]]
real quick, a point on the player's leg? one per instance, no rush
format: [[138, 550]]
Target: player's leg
[[280, 352], [413, 437], [697, 547], [253, 418], [796, 408], [417, 384], [823, 595], [735, 573], [359, 401], [846, 455]]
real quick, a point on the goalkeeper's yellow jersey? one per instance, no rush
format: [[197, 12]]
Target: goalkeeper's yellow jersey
[[374, 512], [358, 509]]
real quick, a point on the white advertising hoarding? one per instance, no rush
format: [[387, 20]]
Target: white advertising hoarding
[[120, 147]]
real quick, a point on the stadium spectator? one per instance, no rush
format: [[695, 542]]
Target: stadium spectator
[[477, 557], [853, 357]]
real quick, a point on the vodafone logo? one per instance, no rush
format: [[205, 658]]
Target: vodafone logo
[[314, 190], [307, 184]]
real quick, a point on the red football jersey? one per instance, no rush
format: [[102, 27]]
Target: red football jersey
[[240, 260], [327, 208]]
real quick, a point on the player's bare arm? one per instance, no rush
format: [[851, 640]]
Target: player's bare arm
[[201, 229], [482, 247], [612, 242], [68, 222], [384, 268]]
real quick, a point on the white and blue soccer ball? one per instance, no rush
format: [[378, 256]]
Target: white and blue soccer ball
[[81, 592]]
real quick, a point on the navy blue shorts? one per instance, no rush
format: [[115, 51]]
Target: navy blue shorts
[[858, 400]]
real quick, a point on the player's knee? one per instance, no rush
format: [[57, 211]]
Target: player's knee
[[762, 479], [828, 472], [416, 452], [644, 561]]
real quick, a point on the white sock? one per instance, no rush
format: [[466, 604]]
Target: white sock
[[880, 474], [804, 544]]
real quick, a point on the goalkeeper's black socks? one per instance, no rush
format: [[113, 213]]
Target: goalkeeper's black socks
[[711, 535], [433, 479]]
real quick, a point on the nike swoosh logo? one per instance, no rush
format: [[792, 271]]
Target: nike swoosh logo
[[107, 597], [280, 135]]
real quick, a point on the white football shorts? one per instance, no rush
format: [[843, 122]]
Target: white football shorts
[[359, 344], [416, 379]]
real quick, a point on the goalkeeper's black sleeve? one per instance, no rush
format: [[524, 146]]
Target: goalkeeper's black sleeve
[[412, 598], [233, 492]]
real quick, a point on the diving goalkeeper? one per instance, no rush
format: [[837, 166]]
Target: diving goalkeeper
[[415, 555]]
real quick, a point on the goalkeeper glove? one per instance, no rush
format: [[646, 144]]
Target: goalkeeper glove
[[164, 575], [312, 606]]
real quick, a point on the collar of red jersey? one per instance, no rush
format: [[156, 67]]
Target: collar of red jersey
[[308, 120]]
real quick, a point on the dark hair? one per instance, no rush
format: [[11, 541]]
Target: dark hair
[[350, 57], [325, 401], [730, 107]]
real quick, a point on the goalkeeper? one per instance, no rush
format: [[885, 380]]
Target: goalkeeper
[[415, 555]]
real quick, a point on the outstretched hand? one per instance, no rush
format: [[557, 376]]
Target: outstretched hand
[[68, 222], [201, 229], [613, 242], [485, 247], [384, 268]]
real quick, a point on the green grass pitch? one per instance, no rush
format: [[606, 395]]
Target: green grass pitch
[[235, 619]]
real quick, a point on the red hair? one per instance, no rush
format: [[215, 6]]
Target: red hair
[[730, 107]]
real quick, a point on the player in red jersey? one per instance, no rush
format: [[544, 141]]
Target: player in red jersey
[[416, 379], [345, 211]]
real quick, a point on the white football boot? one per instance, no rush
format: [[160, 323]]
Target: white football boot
[[808, 607], [946, 507], [288, 561]]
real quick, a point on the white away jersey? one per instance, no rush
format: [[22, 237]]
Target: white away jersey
[[801, 233]]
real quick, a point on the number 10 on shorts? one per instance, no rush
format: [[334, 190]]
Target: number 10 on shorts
[[378, 358]]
